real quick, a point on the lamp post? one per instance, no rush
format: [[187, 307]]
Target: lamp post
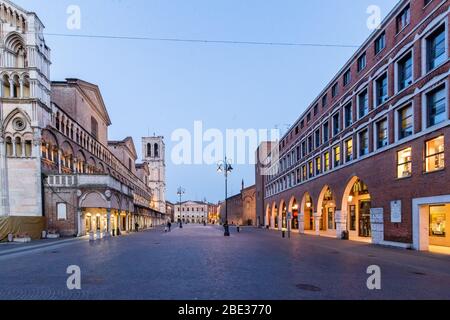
[[180, 192], [225, 168]]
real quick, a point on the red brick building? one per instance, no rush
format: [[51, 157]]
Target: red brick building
[[241, 207], [368, 157]]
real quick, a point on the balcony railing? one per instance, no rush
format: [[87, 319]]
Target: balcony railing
[[84, 180]]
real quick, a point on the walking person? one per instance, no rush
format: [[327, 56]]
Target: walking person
[[169, 226]]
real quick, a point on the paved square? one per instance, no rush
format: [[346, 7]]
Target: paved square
[[197, 262]]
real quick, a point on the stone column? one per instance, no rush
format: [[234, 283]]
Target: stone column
[[301, 222], [80, 231], [21, 87], [317, 218], [11, 88], [108, 222], [59, 162], [4, 197], [341, 223]]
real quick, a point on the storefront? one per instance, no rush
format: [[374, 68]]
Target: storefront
[[430, 219]]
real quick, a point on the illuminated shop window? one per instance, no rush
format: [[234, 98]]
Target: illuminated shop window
[[435, 158], [438, 221], [404, 163]]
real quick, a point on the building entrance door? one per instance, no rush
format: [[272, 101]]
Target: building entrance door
[[365, 229]]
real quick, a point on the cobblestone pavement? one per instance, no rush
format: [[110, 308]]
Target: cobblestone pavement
[[197, 262]]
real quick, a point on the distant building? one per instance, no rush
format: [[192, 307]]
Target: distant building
[[213, 213], [241, 207], [192, 212], [170, 211]]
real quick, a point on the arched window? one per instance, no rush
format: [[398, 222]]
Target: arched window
[[18, 145], [149, 150], [156, 153], [28, 148], [9, 147]]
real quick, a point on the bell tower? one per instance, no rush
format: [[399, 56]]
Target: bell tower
[[154, 154]]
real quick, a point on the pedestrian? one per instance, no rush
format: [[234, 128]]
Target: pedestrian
[[169, 226], [238, 227], [136, 227]]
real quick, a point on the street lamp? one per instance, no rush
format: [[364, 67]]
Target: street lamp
[[225, 168], [180, 192]]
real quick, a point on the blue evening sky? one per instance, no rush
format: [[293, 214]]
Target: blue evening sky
[[162, 86]]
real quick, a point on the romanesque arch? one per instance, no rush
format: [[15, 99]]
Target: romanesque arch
[[326, 209], [356, 205]]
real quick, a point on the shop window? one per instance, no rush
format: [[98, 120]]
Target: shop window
[[435, 157], [438, 221], [404, 163]]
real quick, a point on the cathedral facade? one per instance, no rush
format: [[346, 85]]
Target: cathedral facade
[[59, 172]]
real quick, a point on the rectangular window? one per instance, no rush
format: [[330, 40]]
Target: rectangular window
[[381, 87], [308, 117], [382, 134], [436, 49], [317, 138], [405, 118], [380, 43], [334, 90], [438, 221], [363, 104], [336, 124], [324, 101], [310, 144], [318, 166], [435, 157], [436, 110], [326, 132], [347, 77], [405, 72], [311, 169], [302, 124], [362, 62], [337, 156], [348, 116], [316, 109], [349, 150], [403, 19], [304, 173], [326, 160], [61, 211], [404, 163], [364, 143]]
